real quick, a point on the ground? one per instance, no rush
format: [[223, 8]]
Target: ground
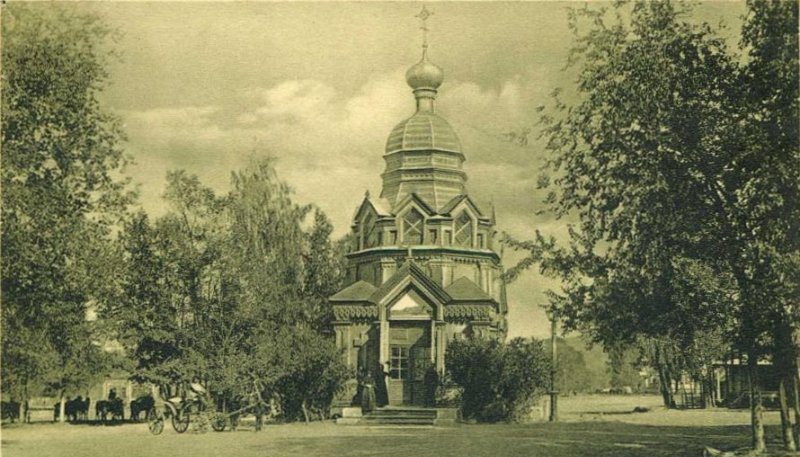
[[590, 426]]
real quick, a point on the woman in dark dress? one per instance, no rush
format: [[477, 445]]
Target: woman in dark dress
[[381, 389], [368, 394]]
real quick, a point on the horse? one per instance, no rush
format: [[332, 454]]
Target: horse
[[114, 407], [10, 410], [74, 410], [141, 404], [77, 409], [257, 405]]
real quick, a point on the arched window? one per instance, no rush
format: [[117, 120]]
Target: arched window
[[463, 233], [412, 227]]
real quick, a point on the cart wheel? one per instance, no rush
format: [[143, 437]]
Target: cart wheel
[[219, 422], [180, 421], [155, 421]]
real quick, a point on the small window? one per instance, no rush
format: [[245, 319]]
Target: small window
[[480, 241], [393, 237], [399, 362], [380, 238], [448, 237], [412, 227], [464, 230], [432, 236]]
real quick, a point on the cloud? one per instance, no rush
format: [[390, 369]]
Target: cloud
[[323, 138]]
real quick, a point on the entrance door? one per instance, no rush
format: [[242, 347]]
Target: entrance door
[[409, 359], [398, 374]]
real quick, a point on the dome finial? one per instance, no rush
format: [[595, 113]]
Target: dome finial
[[424, 15], [424, 77]]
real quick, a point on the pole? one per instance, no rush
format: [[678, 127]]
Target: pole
[[553, 370]]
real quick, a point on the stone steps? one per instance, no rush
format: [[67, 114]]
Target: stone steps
[[409, 416]]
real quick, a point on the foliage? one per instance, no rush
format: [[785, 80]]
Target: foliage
[[305, 367], [622, 366], [680, 166], [325, 270], [573, 373], [498, 381], [60, 196], [231, 289]]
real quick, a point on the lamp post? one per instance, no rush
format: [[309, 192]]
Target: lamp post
[[553, 369]]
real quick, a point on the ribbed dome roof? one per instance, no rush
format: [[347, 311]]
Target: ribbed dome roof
[[423, 130]]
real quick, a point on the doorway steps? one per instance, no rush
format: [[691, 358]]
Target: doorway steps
[[409, 415]]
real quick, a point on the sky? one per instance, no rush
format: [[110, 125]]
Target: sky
[[206, 86]]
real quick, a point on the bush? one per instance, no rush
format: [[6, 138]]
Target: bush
[[448, 393], [498, 382]]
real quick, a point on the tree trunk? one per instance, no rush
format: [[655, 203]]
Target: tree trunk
[[713, 388], [62, 407], [304, 406], [795, 383], [786, 420], [796, 406], [24, 413], [663, 382], [756, 410]]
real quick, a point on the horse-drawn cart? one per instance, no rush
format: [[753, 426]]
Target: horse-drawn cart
[[196, 408], [253, 404], [178, 409]]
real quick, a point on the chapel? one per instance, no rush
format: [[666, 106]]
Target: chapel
[[423, 269]]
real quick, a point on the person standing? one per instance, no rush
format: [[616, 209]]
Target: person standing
[[381, 388], [368, 394]]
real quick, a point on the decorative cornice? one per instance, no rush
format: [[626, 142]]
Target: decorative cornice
[[468, 311], [355, 312]]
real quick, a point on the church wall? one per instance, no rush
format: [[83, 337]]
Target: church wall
[[363, 345], [454, 331], [469, 270]]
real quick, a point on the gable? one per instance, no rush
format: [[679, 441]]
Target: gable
[[413, 200], [368, 206], [463, 202], [409, 277], [409, 305]]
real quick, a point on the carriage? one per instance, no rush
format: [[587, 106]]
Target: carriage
[[195, 407], [178, 408]]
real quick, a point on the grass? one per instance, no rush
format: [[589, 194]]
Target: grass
[[582, 432]]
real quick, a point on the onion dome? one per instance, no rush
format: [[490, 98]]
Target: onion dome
[[423, 131], [424, 74]]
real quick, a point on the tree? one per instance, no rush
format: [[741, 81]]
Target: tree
[[324, 271], [267, 244], [651, 98], [666, 164], [622, 366], [573, 375], [60, 197], [305, 367], [768, 213], [229, 289]]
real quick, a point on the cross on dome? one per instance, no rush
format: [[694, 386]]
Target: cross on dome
[[424, 77], [424, 15]]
